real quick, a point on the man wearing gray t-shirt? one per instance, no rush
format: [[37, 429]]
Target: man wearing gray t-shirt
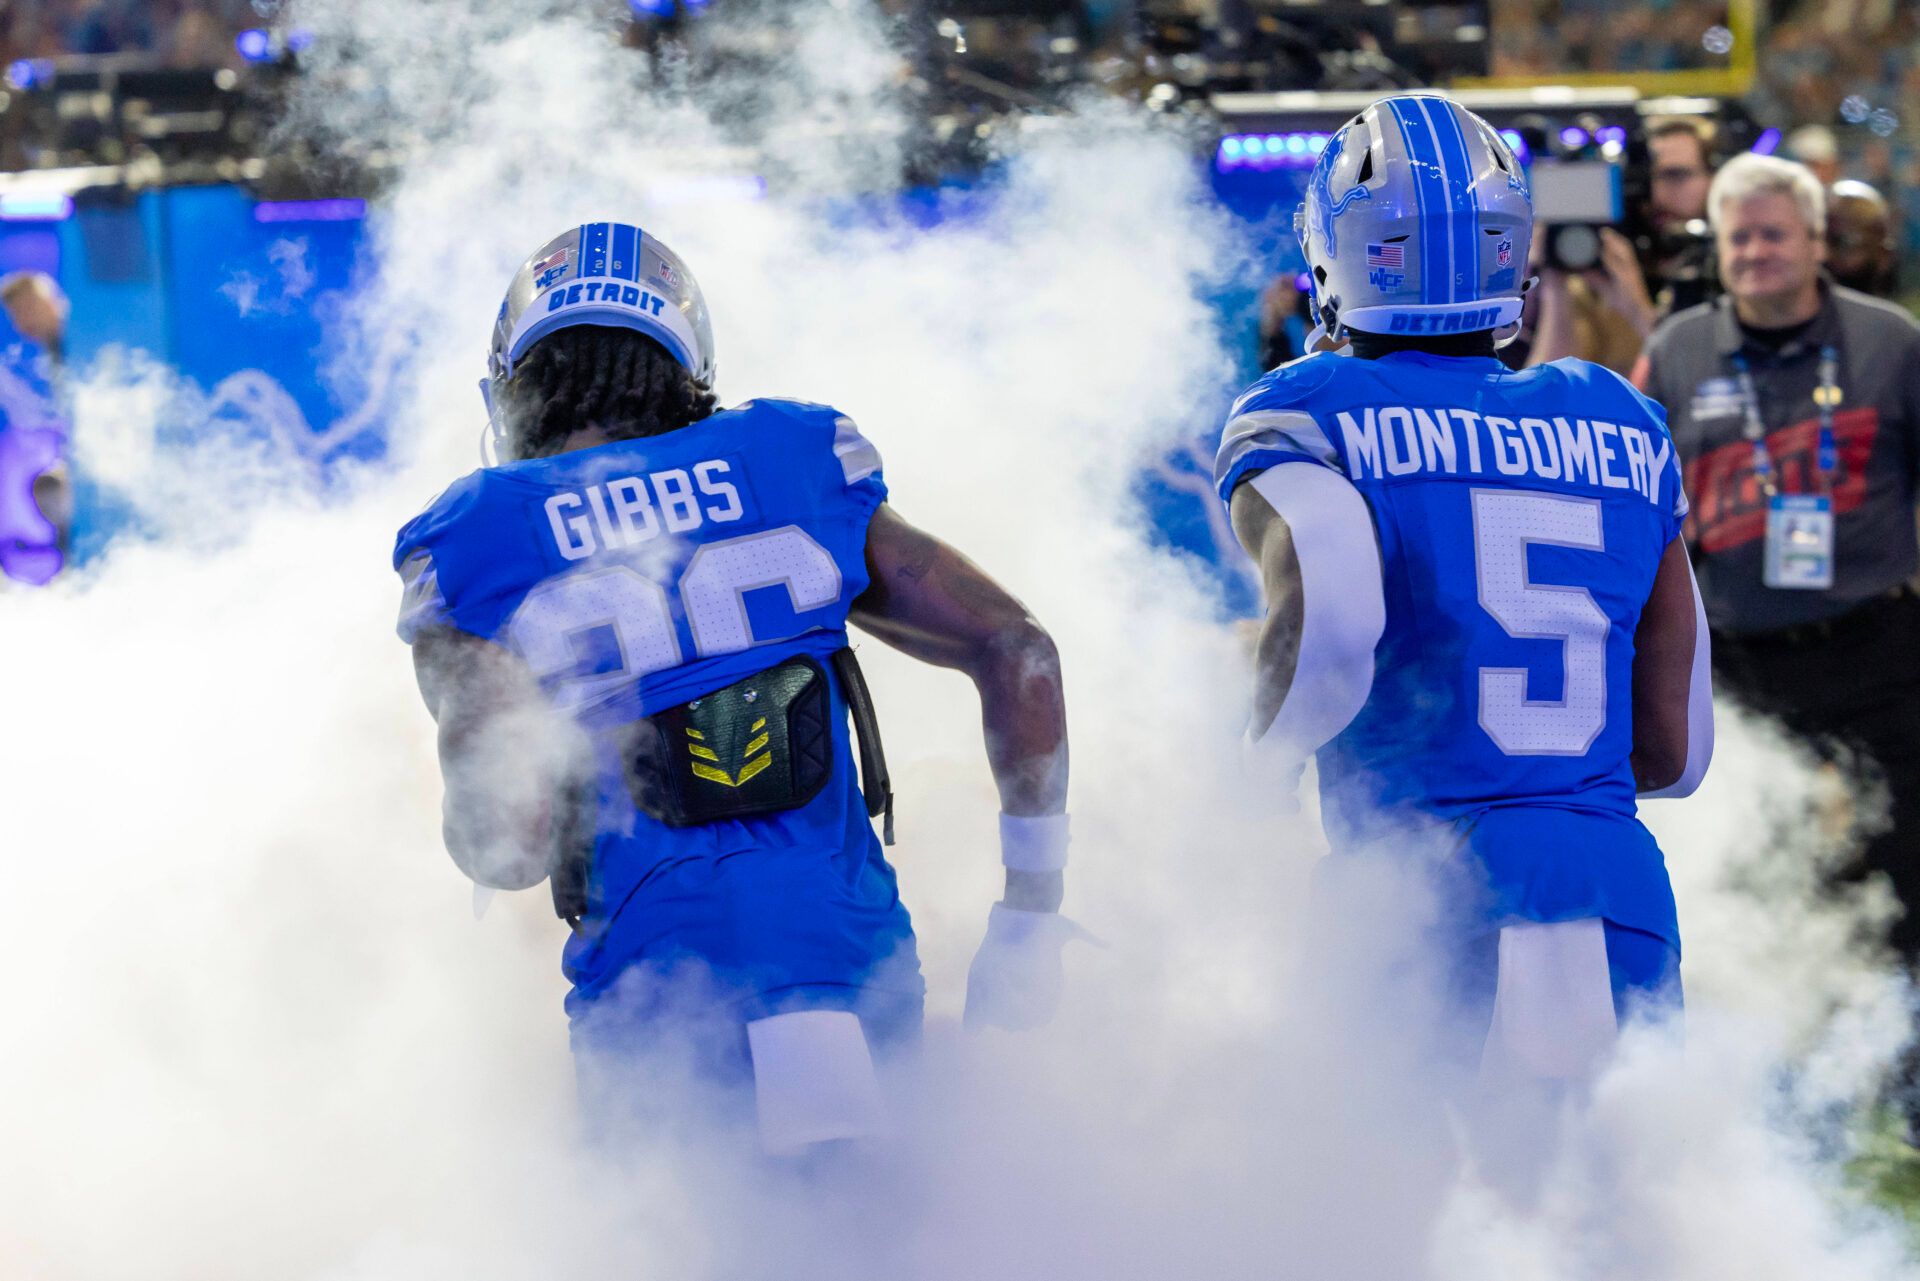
[[1795, 406]]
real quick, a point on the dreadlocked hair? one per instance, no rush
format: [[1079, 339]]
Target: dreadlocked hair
[[617, 380]]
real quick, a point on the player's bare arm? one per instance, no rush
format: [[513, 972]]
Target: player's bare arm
[[932, 603], [1267, 538], [503, 754], [1672, 694]]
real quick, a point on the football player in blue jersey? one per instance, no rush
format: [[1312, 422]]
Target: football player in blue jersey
[[1481, 620], [632, 635]]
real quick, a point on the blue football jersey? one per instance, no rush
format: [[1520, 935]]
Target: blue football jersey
[[636, 576], [1521, 518]]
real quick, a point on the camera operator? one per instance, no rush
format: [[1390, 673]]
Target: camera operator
[[1679, 251], [1656, 263], [1794, 404], [1680, 152], [1602, 314]]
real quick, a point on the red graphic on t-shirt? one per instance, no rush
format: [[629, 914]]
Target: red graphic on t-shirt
[[1729, 507]]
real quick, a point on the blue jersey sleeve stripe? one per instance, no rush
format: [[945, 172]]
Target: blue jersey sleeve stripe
[[1273, 431]]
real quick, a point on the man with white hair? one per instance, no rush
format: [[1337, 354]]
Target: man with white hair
[[1795, 405]]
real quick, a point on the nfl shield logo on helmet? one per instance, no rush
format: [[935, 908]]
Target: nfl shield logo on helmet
[[1503, 254], [666, 275], [551, 268]]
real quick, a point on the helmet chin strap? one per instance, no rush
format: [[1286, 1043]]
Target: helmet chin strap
[[1507, 333], [1326, 317]]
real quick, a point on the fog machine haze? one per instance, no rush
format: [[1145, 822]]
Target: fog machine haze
[[253, 1028]]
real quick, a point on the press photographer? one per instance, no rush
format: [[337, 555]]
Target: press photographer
[[1625, 239]]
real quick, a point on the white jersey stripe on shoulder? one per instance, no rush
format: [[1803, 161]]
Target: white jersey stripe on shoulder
[[858, 457], [1284, 429]]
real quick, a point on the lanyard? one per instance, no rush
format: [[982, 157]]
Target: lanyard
[[1826, 397]]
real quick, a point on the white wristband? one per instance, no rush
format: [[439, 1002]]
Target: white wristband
[[1034, 844]]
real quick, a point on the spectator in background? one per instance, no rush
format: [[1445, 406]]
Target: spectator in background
[[1283, 325], [184, 33], [38, 308], [112, 26], [1815, 147], [36, 496], [1860, 238], [36, 492], [198, 39], [1795, 407]]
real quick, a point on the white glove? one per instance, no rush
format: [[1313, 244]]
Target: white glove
[[1016, 977]]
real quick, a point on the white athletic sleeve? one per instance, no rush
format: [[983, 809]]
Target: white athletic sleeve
[[1699, 707], [1344, 608]]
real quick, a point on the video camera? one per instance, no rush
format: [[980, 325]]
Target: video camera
[[1587, 174]]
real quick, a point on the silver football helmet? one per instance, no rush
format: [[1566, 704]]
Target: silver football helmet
[[601, 273], [1417, 221]]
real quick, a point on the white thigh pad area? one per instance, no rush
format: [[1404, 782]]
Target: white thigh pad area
[[1553, 1009], [813, 1080]]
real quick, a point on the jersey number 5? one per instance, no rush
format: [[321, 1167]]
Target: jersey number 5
[[589, 634], [1505, 523]]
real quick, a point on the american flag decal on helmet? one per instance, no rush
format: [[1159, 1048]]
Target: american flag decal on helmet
[[1394, 256], [551, 268]]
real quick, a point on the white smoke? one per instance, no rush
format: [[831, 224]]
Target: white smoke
[[253, 1030]]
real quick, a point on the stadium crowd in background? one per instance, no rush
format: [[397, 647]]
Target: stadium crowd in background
[[1841, 78], [182, 33], [1852, 66], [1547, 37]]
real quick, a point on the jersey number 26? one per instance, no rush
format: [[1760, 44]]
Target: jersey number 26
[[591, 633]]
